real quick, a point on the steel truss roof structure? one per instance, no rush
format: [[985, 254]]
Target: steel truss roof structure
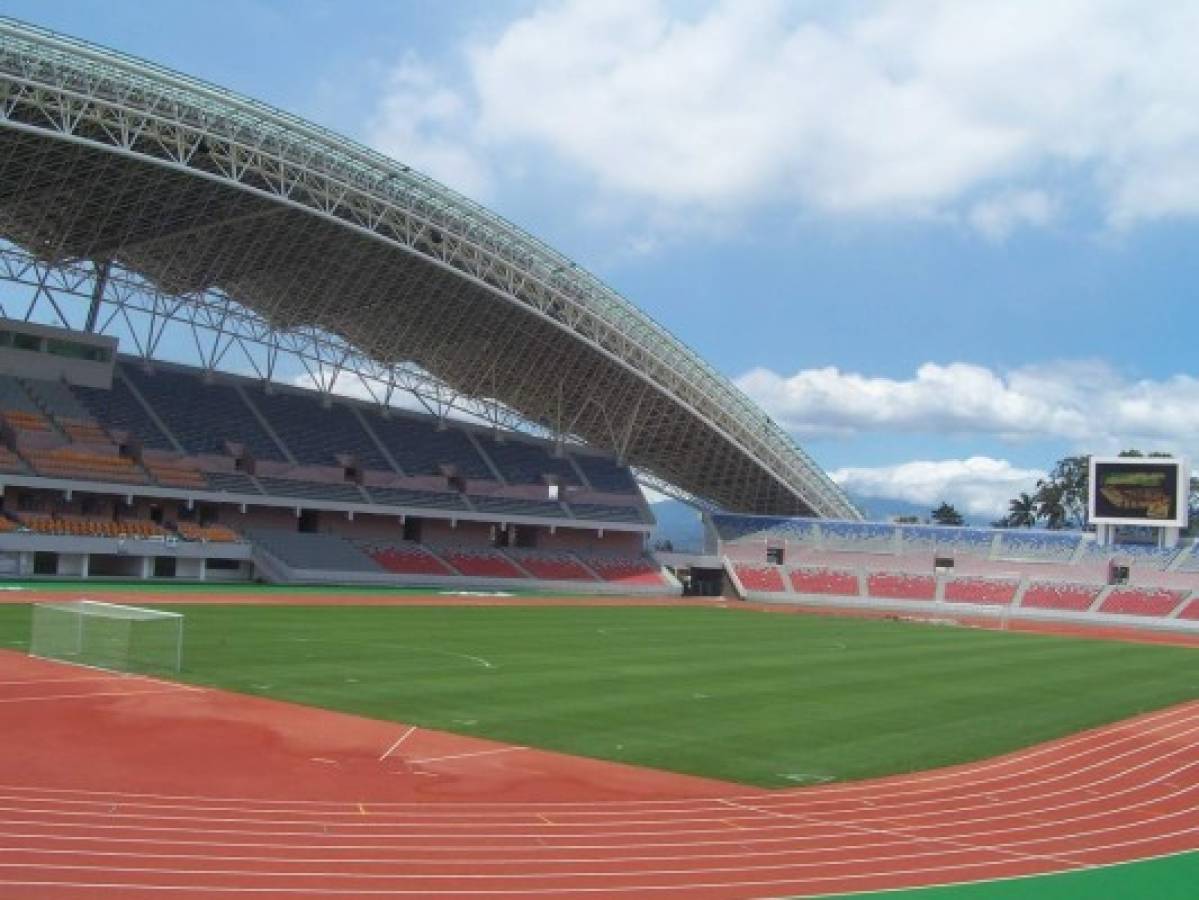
[[144, 191]]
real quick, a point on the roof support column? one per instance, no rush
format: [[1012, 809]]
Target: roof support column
[[93, 310]]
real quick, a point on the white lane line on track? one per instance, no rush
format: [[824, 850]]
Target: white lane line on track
[[403, 737], [170, 690], [500, 877], [471, 755], [509, 859], [1116, 733], [486, 818]]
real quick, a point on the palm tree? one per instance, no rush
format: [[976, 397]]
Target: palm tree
[[1022, 511], [946, 515], [1050, 505]]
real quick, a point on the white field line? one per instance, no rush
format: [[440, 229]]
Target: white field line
[[403, 737], [472, 755]]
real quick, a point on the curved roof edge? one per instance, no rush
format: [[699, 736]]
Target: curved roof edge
[[614, 325]]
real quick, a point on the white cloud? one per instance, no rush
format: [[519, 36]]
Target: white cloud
[[426, 125], [946, 108], [1087, 404], [979, 486], [997, 217]]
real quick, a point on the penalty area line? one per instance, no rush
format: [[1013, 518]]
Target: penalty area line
[[403, 737]]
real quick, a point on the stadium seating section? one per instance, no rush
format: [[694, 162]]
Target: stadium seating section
[[1141, 602], [1070, 597], [551, 566], [406, 559], [82, 526], [421, 448], [341, 433], [480, 562], [981, 590], [526, 463], [217, 534], [760, 578], [824, 581], [605, 475], [1190, 611], [626, 570], [901, 586]]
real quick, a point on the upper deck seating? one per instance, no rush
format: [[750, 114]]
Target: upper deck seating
[[421, 448], [480, 562], [969, 589], [231, 482], [760, 577], [1052, 595], [545, 509], [68, 462], [1141, 556], [320, 551], [627, 570], [606, 475], [312, 490], [316, 434], [1043, 546], [867, 537], [524, 462], [819, 580], [605, 512], [1141, 601], [84, 431], [901, 586], [386, 496], [26, 420], [405, 558], [14, 397], [203, 417], [10, 462], [175, 472], [57, 399], [946, 539], [550, 565], [734, 527], [119, 410]]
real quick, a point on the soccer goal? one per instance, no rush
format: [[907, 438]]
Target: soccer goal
[[108, 635]]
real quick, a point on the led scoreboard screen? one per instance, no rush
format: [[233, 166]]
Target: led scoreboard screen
[[1128, 491]]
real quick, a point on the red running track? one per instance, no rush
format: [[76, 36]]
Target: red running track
[[122, 786]]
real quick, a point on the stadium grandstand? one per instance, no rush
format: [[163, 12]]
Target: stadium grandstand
[[192, 281], [238, 346], [933, 571]]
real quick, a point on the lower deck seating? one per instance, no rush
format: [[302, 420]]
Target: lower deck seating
[[406, 559], [7, 524], [627, 570], [551, 565], [981, 590], [1190, 612], [833, 582], [481, 562], [1070, 597], [216, 534], [313, 550], [900, 586], [1141, 601], [760, 578]]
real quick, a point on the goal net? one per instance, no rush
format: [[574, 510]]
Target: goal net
[[108, 635]]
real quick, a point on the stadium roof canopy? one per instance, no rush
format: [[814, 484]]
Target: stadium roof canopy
[[142, 189]]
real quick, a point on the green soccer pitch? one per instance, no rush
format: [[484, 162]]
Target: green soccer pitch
[[759, 698]]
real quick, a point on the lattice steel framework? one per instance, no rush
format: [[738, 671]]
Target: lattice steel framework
[[176, 201]]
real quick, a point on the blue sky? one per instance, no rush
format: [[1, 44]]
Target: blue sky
[[943, 243]]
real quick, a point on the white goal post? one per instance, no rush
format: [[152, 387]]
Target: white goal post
[[108, 636]]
